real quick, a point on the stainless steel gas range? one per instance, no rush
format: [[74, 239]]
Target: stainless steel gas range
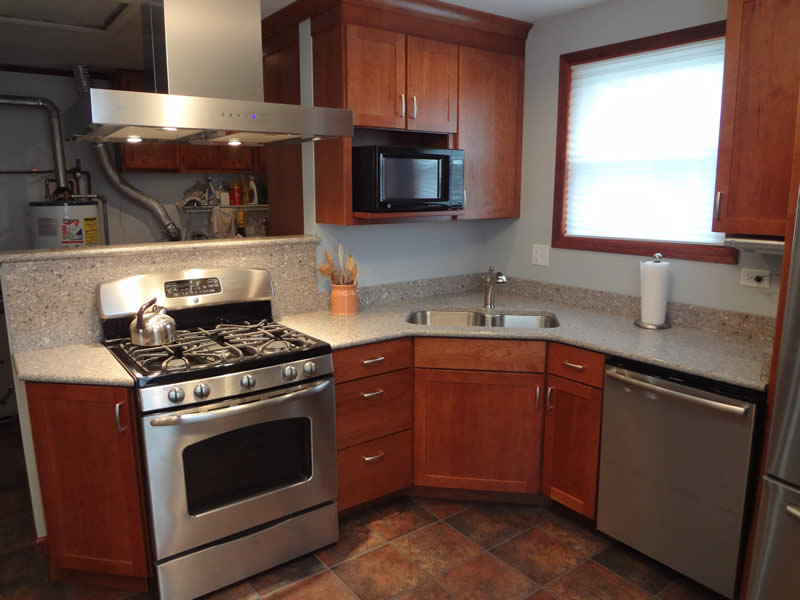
[[238, 424]]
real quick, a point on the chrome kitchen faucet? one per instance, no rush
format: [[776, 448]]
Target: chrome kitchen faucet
[[492, 279]]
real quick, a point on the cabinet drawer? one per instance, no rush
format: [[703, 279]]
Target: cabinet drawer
[[373, 407], [576, 364], [374, 469], [480, 355], [371, 359]]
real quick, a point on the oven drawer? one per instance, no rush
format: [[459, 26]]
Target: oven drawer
[[373, 407], [371, 359], [374, 469], [518, 356], [576, 364]]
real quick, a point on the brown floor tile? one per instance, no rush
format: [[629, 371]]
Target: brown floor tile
[[324, 586], [286, 574], [396, 518], [538, 556], [541, 595], [635, 567], [590, 581], [428, 591], [354, 538], [15, 501], [16, 532], [487, 524], [22, 566], [685, 589], [575, 534], [382, 573], [436, 548], [77, 591], [486, 578], [441, 509], [237, 591], [35, 591], [532, 514]]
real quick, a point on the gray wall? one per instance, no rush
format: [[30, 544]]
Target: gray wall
[[693, 282]]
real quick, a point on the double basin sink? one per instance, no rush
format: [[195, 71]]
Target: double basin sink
[[465, 318]]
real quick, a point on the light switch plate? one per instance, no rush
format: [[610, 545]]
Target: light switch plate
[[541, 255], [754, 278]]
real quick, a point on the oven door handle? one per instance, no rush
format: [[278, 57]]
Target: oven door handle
[[238, 409]]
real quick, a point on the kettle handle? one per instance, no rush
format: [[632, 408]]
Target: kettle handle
[[140, 314]]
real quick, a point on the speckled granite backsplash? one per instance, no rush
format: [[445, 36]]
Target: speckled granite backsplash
[[50, 298]]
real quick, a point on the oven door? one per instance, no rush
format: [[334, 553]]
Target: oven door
[[218, 470]]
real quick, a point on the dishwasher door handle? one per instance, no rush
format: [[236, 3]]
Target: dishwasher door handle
[[726, 408]]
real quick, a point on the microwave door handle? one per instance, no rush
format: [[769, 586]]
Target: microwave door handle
[[465, 198], [238, 409]]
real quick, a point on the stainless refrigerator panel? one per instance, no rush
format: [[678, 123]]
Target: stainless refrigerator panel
[[775, 574], [783, 451]]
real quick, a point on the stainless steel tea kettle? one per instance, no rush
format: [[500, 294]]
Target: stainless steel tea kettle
[[154, 328]]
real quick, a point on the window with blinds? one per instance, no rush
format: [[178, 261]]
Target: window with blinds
[[641, 145]]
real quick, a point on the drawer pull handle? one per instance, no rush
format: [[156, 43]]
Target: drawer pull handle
[[794, 511], [375, 394], [572, 365], [376, 458], [547, 398], [373, 361], [538, 393]]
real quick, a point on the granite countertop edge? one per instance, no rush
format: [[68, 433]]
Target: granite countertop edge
[[85, 364]]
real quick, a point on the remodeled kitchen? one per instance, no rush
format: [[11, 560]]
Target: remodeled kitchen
[[408, 300]]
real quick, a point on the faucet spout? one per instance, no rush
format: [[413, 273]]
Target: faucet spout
[[492, 278]]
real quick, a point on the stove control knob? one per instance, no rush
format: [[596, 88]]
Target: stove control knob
[[289, 372], [248, 381], [176, 395], [202, 390], [310, 368]]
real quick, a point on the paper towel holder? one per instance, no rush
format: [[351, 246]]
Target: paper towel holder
[[666, 324]]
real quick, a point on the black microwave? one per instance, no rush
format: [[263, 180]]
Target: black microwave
[[390, 179]]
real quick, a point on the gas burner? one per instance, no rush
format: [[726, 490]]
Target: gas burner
[[263, 338]]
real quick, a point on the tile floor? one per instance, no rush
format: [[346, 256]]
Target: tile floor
[[403, 549]]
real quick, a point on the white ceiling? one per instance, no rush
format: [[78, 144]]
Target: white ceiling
[[524, 10]]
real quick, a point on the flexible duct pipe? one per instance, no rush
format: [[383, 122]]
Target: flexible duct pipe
[[54, 116], [154, 206]]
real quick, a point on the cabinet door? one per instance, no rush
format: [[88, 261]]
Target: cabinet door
[[759, 100], [572, 444], [90, 478], [432, 72], [490, 105], [477, 430], [376, 77]]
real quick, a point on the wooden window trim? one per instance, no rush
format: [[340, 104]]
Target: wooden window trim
[[698, 252]]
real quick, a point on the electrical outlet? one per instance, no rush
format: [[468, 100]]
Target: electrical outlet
[[754, 278], [541, 255]]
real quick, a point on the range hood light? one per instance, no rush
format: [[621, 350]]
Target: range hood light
[[234, 143], [170, 128], [134, 139]]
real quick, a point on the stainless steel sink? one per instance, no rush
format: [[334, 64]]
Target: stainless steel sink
[[463, 318]]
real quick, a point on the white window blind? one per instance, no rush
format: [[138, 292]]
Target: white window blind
[[642, 145]]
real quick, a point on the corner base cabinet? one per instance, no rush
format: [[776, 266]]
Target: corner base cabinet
[[86, 451]]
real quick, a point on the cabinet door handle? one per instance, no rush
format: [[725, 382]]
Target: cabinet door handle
[[117, 406], [547, 398], [465, 198], [793, 511], [402, 105], [375, 394], [376, 458], [717, 202], [538, 393], [414, 110], [372, 361], [572, 365]]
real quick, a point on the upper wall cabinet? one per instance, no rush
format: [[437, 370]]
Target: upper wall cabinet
[[401, 82], [759, 100]]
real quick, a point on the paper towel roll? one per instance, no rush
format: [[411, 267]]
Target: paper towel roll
[[655, 285]]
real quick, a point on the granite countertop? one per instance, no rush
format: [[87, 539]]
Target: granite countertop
[[729, 359], [89, 364]]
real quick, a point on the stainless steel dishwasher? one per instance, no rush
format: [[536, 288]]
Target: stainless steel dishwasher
[[675, 457]]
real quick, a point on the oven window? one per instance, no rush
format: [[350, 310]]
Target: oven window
[[416, 179], [246, 462]]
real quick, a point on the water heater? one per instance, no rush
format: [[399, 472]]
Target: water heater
[[65, 224]]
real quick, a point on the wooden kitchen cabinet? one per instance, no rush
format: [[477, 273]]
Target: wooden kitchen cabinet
[[216, 158], [432, 85], [490, 105], [570, 462], [759, 100], [85, 440], [477, 430]]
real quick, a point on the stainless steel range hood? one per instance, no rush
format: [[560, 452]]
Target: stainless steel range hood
[[203, 59]]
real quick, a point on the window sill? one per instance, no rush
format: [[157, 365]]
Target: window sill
[[698, 252]]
